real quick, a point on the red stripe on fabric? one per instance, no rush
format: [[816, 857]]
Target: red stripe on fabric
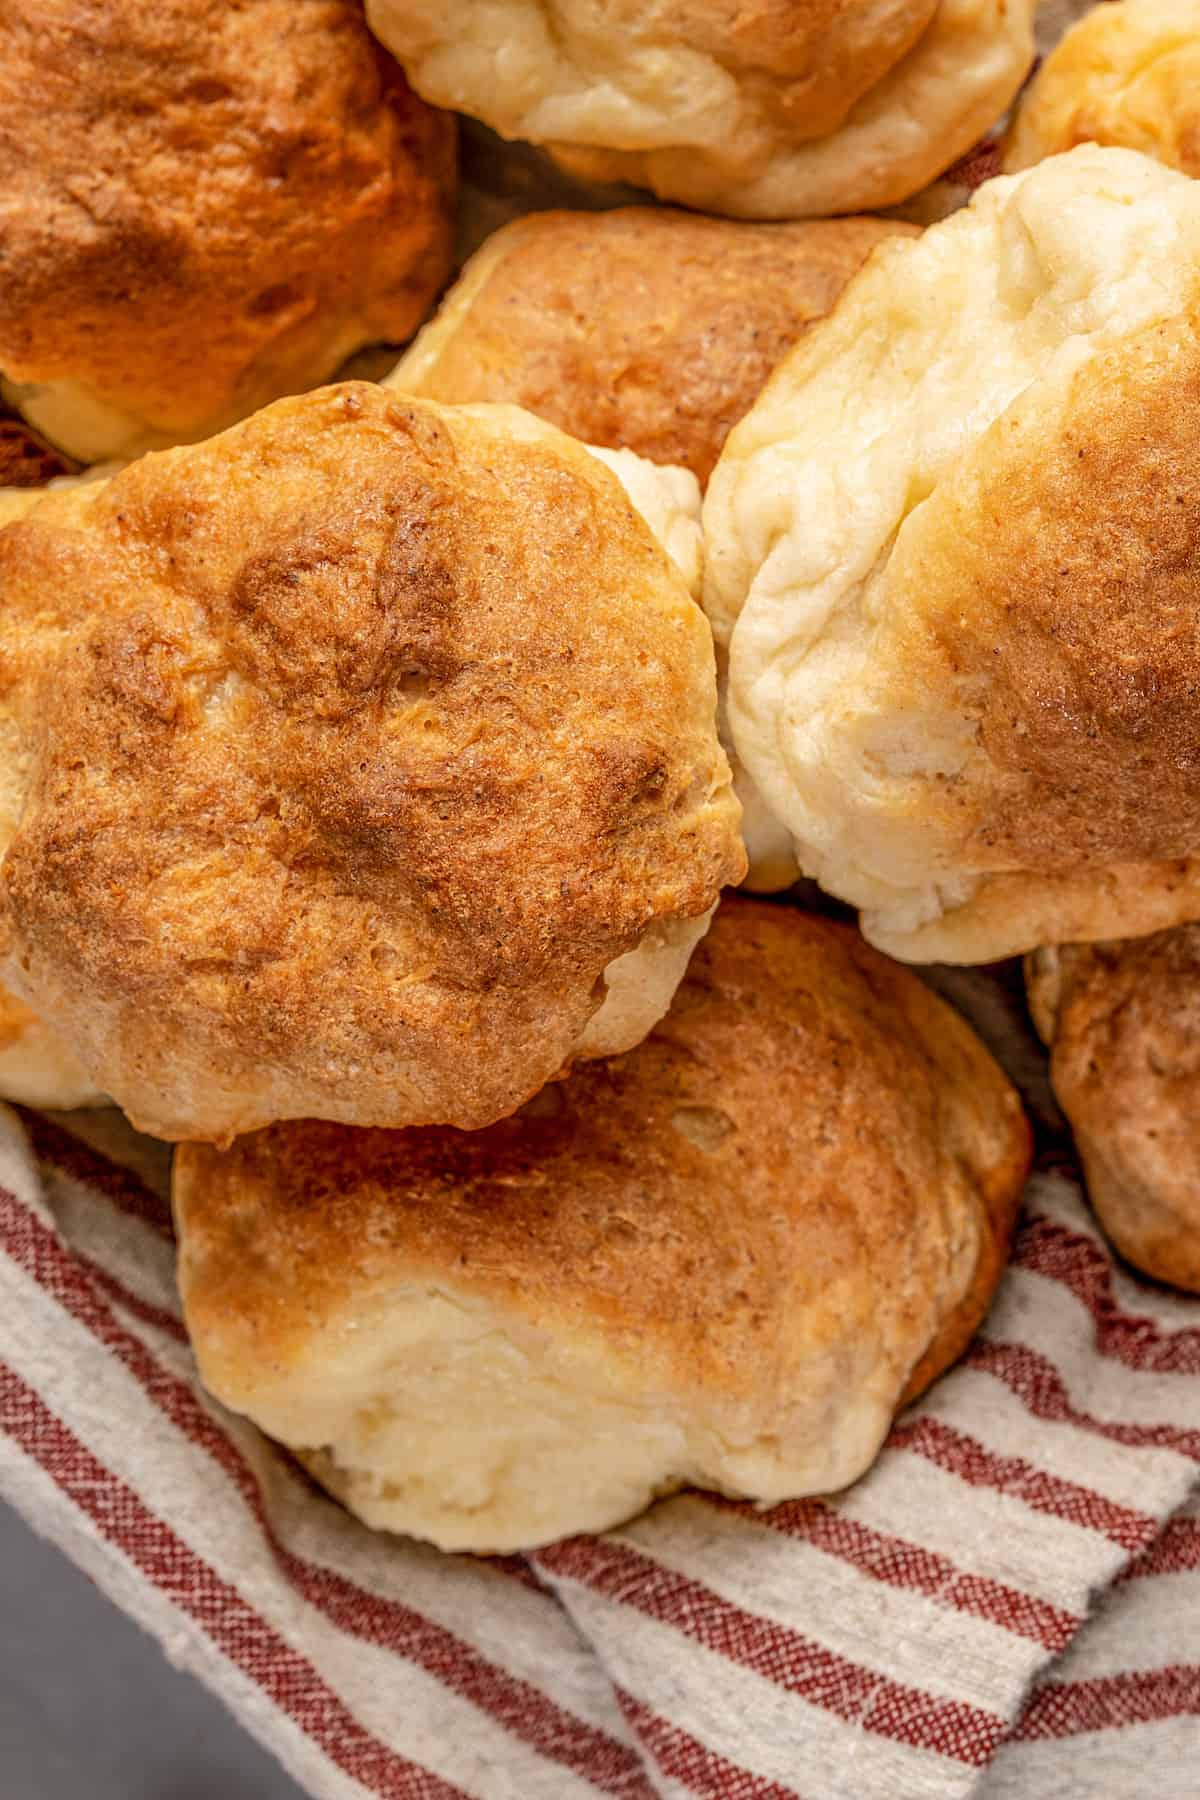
[[195, 1588], [69, 1154], [1042, 1492], [977, 166], [124, 1296], [524, 1710], [1175, 1551], [1081, 1265], [821, 1677], [1110, 1703], [1040, 1387], [899, 1563], [683, 1759]]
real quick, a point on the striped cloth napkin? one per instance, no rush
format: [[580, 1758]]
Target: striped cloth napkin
[[1013, 1589]]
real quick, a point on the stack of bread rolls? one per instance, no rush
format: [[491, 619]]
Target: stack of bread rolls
[[376, 758]]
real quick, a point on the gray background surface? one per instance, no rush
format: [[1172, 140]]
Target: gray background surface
[[90, 1709]]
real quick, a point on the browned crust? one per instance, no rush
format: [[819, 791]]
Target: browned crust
[[643, 328], [1123, 1022], [811, 1150], [1001, 1189], [189, 226], [363, 738], [1065, 557]]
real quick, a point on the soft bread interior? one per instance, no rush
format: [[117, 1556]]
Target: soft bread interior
[[36, 1068], [440, 1414], [641, 985], [79, 422]]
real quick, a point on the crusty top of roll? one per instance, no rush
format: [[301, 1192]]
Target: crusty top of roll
[[1128, 74], [203, 206], [755, 1234], [780, 109], [353, 746], [957, 544], [1122, 1020], [640, 328]]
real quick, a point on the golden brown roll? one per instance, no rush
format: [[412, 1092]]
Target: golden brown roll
[[722, 1260], [954, 550], [642, 328], [203, 206], [1122, 1021], [1126, 74], [786, 109], [359, 763]]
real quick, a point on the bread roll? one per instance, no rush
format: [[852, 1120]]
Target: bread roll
[[787, 109], [722, 1260], [203, 206], [1122, 1021], [642, 328], [36, 1068], [360, 763], [955, 552], [1126, 74]]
